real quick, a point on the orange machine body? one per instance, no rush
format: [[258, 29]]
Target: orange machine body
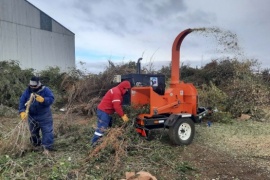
[[179, 98]]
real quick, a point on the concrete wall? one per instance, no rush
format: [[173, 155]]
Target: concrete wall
[[23, 39]]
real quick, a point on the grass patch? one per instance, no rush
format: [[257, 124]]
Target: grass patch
[[250, 138]]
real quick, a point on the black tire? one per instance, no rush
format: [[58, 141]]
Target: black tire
[[182, 132]]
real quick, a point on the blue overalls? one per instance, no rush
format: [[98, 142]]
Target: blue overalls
[[39, 117]]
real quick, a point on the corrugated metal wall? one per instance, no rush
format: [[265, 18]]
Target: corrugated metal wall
[[22, 39]]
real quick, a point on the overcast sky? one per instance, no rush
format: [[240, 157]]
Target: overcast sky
[[124, 30]]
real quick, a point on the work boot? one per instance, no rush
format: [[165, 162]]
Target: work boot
[[49, 149], [36, 148], [46, 152], [35, 141], [95, 144]]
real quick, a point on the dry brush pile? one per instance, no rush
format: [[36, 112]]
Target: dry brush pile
[[85, 91]]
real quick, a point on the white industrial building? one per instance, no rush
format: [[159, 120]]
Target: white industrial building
[[33, 38]]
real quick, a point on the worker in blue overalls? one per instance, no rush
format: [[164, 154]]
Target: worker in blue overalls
[[40, 115]]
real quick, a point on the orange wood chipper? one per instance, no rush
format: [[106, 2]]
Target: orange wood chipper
[[175, 110]]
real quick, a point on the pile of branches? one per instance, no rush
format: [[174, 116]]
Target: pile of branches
[[117, 142], [84, 92]]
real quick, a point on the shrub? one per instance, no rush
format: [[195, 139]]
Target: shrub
[[13, 81], [212, 96]]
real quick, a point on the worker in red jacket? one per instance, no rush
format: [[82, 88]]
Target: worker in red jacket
[[110, 103]]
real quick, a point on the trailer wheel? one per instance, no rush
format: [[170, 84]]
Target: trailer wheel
[[182, 132]]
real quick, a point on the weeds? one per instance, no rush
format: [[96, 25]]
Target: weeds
[[61, 170], [130, 152], [16, 142], [11, 168], [6, 111]]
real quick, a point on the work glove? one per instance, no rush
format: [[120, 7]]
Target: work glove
[[125, 118], [39, 98], [23, 116]]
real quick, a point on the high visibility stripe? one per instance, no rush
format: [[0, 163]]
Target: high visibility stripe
[[98, 134], [186, 115], [111, 91], [116, 100]]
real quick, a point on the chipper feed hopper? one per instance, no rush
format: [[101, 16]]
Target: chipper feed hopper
[[176, 109]]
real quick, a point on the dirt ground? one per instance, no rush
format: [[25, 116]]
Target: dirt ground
[[213, 164], [238, 151]]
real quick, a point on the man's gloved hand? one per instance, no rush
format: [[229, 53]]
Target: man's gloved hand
[[39, 98], [23, 115], [125, 118]]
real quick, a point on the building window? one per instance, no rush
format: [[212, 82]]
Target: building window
[[45, 21]]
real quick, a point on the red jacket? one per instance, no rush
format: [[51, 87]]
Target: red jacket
[[112, 101]]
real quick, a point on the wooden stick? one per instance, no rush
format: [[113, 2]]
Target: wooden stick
[[28, 103]]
